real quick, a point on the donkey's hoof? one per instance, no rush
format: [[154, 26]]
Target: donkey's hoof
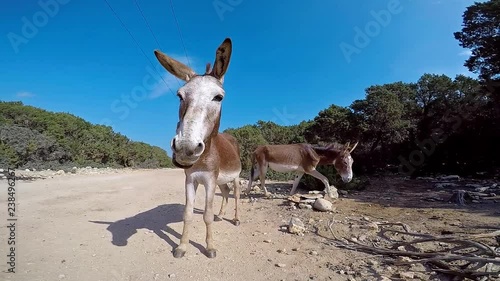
[[179, 253], [217, 218], [236, 222], [212, 253]]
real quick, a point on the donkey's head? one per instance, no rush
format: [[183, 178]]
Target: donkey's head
[[343, 161], [340, 157], [200, 104]]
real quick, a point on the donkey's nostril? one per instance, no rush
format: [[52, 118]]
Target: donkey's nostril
[[172, 144], [199, 148]]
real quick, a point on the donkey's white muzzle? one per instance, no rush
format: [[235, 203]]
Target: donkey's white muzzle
[[186, 152]]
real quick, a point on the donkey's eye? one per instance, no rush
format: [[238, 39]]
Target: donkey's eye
[[218, 98]]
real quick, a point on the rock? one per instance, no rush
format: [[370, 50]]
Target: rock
[[282, 251], [307, 201], [446, 184], [425, 178], [373, 226], [362, 238], [294, 198], [333, 192], [481, 189], [305, 206], [296, 226], [383, 278], [314, 192], [280, 265], [27, 170], [267, 241], [406, 275], [323, 205], [313, 253], [171, 275], [295, 249], [450, 178], [60, 172]]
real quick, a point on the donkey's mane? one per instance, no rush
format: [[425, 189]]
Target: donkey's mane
[[334, 147]]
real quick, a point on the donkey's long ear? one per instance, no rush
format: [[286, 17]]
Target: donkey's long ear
[[177, 68], [222, 58], [353, 147]]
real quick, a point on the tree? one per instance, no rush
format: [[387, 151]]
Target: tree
[[331, 124], [481, 34]]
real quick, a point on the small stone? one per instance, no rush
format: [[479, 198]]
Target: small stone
[[450, 177], [171, 275], [406, 275], [62, 276], [296, 226], [282, 251], [366, 218], [305, 206], [313, 253], [323, 205], [373, 226], [333, 192], [280, 265], [362, 238], [267, 241], [295, 249]]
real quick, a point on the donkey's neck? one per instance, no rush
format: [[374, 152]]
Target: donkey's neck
[[327, 155]]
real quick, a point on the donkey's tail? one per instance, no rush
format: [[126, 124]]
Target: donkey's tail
[[253, 174]]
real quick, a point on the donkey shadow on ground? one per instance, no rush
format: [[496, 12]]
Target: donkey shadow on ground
[[156, 220]]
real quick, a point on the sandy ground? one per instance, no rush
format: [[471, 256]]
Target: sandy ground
[[124, 227]]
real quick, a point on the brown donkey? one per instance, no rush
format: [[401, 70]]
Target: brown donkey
[[208, 157], [302, 159]]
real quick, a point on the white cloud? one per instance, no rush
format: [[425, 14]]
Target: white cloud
[[25, 95], [465, 53]]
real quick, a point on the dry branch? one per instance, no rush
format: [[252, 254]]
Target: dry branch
[[450, 262]]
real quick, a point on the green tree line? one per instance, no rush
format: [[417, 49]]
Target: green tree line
[[34, 138]]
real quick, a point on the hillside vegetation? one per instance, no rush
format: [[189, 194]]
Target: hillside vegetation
[[438, 124], [435, 125], [34, 138]]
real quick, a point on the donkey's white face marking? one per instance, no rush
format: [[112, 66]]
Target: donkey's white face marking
[[200, 104], [343, 165]]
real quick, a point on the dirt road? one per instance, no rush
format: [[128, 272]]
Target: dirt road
[[124, 226]]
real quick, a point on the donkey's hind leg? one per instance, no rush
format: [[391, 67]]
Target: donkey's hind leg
[[224, 188], [263, 172], [237, 188]]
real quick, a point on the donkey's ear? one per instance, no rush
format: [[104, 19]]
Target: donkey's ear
[[354, 146], [222, 58], [176, 68]]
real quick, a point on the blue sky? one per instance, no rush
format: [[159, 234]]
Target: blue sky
[[287, 61]]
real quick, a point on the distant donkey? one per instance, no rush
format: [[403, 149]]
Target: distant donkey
[[301, 159], [207, 156]]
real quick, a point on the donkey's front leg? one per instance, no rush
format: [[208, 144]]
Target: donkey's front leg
[[208, 216], [191, 186]]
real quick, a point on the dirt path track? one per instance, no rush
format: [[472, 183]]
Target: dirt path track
[[123, 226]]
